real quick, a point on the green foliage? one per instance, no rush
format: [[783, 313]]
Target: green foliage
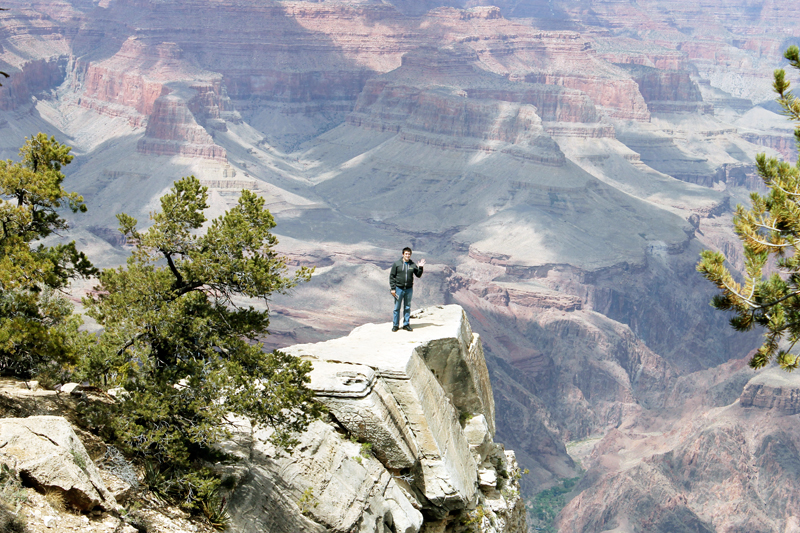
[[12, 495], [38, 333], [769, 229], [519, 473], [215, 509], [509, 493], [80, 461], [307, 501], [545, 506], [178, 339], [473, 519], [366, 449]]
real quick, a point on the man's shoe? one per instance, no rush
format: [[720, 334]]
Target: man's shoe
[[395, 328], [407, 328]]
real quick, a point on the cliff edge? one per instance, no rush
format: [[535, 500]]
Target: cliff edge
[[408, 446]]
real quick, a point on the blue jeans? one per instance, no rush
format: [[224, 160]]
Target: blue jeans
[[404, 299]]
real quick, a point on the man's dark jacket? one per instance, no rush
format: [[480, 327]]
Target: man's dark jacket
[[401, 276]]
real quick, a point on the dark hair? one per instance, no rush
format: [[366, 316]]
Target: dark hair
[[406, 248]]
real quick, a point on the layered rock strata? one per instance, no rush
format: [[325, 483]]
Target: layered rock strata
[[173, 130], [668, 91], [421, 406], [773, 389]]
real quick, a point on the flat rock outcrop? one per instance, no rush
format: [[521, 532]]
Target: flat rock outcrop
[[411, 444]]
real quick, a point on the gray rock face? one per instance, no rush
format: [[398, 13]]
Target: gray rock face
[[46, 451], [325, 484], [400, 398]]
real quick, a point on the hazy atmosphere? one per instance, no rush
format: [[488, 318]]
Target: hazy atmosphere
[[558, 164]]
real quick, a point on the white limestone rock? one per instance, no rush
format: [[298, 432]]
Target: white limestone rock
[[476, 429], [116, 486], [325, 484], [405, 394], [46, 450], [69, 388], [367, 408], [487, 477]]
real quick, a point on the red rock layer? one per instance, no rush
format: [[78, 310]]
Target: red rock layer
[[620, 98], [33, 77], [733, 471], [455, 122], [33, 49], [668, 91], [786, 145], [134, 78], [211, 106], [111, 86], [172, 130], [552, 103]]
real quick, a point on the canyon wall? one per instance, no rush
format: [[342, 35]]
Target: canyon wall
[[559, 164]]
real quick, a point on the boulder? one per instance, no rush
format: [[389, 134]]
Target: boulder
[[47, 453], [476, 429]]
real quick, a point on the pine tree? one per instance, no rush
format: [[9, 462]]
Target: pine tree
[[180, 340], [767, 297], [37, 330]]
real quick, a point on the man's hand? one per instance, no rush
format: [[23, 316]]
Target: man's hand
[[422, 262], [393, 293]]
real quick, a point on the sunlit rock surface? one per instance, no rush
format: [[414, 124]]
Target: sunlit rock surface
[[409, 447]]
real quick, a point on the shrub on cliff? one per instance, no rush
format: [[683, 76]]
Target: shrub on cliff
[[37, 330], [769, 229], [180, 342]]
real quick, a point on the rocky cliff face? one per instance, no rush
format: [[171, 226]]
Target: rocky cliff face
[[772, 390], [409, 447], [172, 130]]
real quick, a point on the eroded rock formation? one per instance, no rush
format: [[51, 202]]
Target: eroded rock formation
[[732, 467], [410, 446]]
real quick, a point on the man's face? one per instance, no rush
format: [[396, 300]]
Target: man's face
[[406, 256]]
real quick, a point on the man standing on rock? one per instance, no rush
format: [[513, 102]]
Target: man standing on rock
[[401, 283]]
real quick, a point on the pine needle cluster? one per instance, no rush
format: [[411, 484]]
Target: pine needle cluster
[[38, 333]]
